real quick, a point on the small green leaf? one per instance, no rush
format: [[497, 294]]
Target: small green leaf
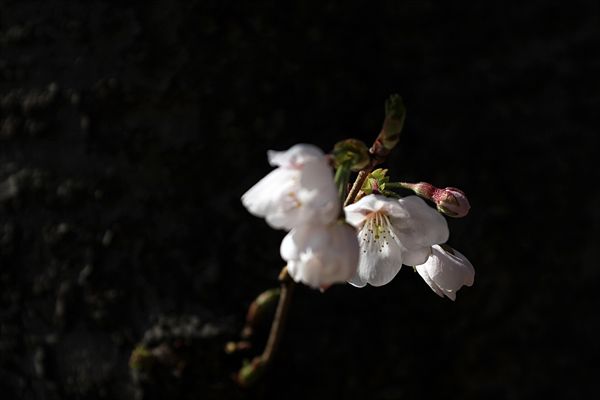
[[376, 181]]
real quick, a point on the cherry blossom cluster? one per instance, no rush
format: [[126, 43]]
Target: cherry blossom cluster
[[301, 197], [366, 242]]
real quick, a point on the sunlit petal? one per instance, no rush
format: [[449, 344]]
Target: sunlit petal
[[301, 191], [381, 256], [423, 226]]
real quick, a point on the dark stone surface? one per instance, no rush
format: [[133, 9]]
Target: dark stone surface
[[129, 130]]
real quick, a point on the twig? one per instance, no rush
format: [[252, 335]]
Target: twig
[[357, 185], [285, 298], [387, 139]]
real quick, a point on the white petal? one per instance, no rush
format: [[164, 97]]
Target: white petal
[[346, 249], [380, 257], [422, 226], [320, 255], [289, 246], [469, 271], [318, 193], [357, 281], [451, 295], [295, 156], [293, 270], [422, 270], [309, 269], [370, 203], [416, 257], [357, 212], [355, 217], [265, 196], [446, 272], [316, 175], [302, 239], [301, 191], [282, 220]]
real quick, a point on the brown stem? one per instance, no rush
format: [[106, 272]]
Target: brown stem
[[378, 155], [285, 297], [360, 179]]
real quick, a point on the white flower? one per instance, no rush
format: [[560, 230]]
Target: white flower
[[300, 191], [446, 271], [320, 255], [393, 232]]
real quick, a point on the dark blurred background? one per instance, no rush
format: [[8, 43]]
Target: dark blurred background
[[129, 131]]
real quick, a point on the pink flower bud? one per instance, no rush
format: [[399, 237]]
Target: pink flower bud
[[451, 201]]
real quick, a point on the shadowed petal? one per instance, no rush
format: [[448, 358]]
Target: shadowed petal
[[416, 256], [446, 272], [422, 270]]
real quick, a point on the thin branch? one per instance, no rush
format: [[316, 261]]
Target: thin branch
[[387, 139], [285, 298], [358, 183]]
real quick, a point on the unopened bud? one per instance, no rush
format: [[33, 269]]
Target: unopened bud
[[450, 201], [395, 115], [351, 152]]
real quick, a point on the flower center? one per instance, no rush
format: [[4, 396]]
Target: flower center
[[377, 230], [292, 201]]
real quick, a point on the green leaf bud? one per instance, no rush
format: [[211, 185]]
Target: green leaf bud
[[352, 153]]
